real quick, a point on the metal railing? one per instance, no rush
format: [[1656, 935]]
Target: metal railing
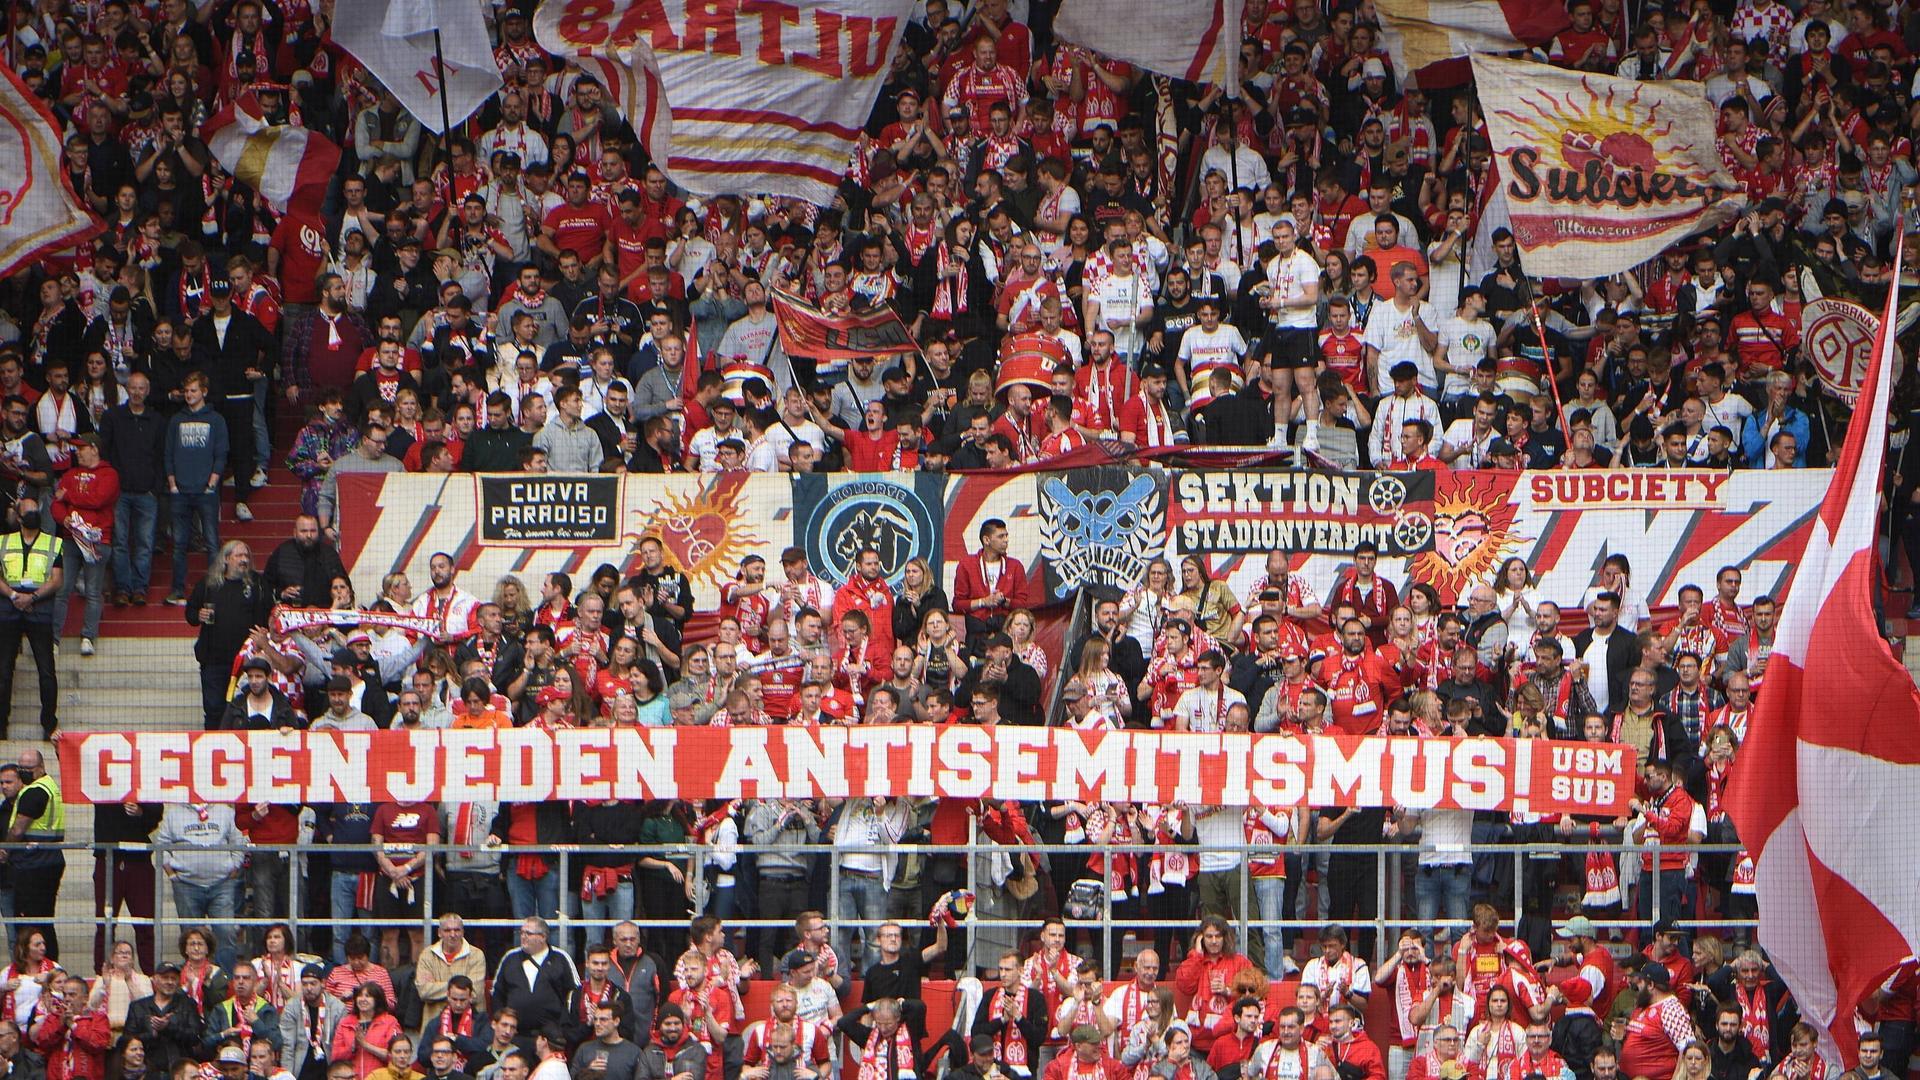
[[1389, 907]]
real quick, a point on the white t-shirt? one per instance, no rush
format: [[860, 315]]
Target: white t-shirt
[[1596, 660], [1467, 343], [1203, 350], [782, 435], [1444, 836], [1223, 827], [1124, 300], [1391, 331], [1459, 436], [1200, 709], [1289, 275]]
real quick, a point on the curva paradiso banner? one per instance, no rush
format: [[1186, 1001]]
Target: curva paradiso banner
[[955, 761]]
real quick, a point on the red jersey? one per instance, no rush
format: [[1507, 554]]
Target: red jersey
[[1103, 389], [750, 611], [1359, 686], [1655, 1035], [1761, 341], [580, 229]]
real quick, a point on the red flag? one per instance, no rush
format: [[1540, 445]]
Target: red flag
[[286, 164], [1824, 790]]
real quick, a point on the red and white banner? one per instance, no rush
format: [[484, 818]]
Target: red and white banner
[[1822, 792], [957, 761], [39, 211], [288, 619], [766, 98], [281, 162], [806, 329], [1597, 173], [1196, 42], [1838, 336], [398, 43], [1419, 33], [633, 81]]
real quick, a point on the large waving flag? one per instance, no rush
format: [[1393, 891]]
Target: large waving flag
[[1597, 173], [39, 212], [1827, 787], [763, 101], [1198, 42], [1433, 34], [282, 162], [396, 42]]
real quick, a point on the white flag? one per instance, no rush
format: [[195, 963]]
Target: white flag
[[396, 42], [1196, 42]]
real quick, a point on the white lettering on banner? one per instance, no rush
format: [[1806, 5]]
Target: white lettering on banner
[[1268, 492], [957, 762]]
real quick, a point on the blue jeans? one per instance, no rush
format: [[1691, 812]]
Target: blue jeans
[[89, 579], [861, 897], [1674, 893], [340, 906], [1270, 897], [616, 905], [135, 518], [188, 507], [216, 906], [537, 897], [1436, 887]]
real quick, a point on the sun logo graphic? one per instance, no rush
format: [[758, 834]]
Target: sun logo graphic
[[1473, 529], [704, 530]]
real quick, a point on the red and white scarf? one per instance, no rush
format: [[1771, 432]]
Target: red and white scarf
[[1409, 987], [1756, 1019], [1010, 1046], [873, 1063]]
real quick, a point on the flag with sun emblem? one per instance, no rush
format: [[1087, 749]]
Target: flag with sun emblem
[[1597, 174]]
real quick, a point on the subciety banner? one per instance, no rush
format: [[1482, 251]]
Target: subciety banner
[[958, 761], [1599, 173]]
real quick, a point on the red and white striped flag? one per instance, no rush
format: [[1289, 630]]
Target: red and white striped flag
[[39, 211], [282, 162], [633, 81], [1826, 789], [1198, 42]]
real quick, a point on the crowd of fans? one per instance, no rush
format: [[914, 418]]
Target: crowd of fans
[[1292, 266]]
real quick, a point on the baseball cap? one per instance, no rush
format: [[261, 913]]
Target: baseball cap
[[1373, 69], [1655, 974], [343, 658], [1501, 448], [220, 287], [257, 663], [167, 967], [313, 971], [232, 1055], [796, 959], [1578, 926], [359, 635]]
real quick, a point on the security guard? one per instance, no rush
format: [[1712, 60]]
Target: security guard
[[39, 817], [30, 571]]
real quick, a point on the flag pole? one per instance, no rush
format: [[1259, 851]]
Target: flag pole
[[440, 69]]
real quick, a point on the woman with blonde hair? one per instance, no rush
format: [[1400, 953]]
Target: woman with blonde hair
[[1694, 1063], [1144, 1043], [516, 609], [1106, 689], [1144, 607], [1020, 627], [120, 984], [920, 593]]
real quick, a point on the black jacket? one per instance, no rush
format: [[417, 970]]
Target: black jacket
[[1623, 654], [248, 345], [239, 605], [236, 718], [542, 1001], [490, 450], [178, 1037], [311, 571], [134, 444], [1576, 1038], [579, 1028]]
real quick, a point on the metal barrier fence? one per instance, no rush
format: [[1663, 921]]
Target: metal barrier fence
[[1389, 900]]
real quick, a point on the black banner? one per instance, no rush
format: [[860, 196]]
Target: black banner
[[549, 509], [1303, 511], [1101, 526]]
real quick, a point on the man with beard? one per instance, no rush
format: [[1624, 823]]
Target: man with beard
[[673, 1054], [445, 600], [1358, 683], [1658, 1029], [301, 570], [1124, 655]]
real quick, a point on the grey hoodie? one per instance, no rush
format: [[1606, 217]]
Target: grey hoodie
[[187, 832]]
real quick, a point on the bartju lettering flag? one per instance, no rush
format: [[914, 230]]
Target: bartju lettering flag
[[396, 42], [280, 161], [1597, 174], [1196, 42], [39, 211], [767, 99], [1832, 756]]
